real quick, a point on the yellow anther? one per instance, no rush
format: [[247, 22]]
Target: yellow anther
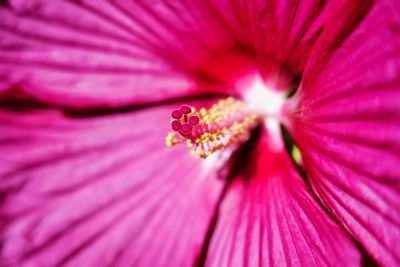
[[223, 124], [189, 143]]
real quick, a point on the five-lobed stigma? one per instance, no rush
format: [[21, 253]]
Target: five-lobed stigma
[[209, 130]]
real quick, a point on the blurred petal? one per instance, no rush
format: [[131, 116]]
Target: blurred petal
[[347, 125], [344, 16], [101, 191], [112, 53], [93, 53], [83, 54], [270, 218], [290, 29]]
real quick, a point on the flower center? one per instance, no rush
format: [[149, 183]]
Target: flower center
[[268, 104], [230, 121], [208, 130]]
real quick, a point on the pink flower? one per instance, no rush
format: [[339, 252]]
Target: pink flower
[[87, 89]]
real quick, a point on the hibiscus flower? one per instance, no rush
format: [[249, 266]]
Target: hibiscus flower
[[87, 90]]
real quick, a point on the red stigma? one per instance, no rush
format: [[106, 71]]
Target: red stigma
[[185, 109], [176, 114], [194, 120], [209, 130], [176, 125], [183, 120], [186, 128]]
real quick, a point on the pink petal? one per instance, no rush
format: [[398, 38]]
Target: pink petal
[[344, 16], [289, 30], [102, 191], [347, 125], [112, 53], [89, 53], [270, 218]]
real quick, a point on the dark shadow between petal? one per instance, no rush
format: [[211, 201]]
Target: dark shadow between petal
[[240, 165], [16, 101]]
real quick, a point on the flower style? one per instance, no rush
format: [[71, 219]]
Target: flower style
[[87, 91]]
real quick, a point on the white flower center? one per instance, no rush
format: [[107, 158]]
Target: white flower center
[[267, 103]]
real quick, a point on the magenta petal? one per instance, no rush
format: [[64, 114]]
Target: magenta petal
[[87, 53], [102, 191], [347, 125], [112, 53], [270, 218], [343, 19], [290, 29]]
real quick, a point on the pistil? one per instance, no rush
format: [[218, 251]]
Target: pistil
[[209, 130]]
